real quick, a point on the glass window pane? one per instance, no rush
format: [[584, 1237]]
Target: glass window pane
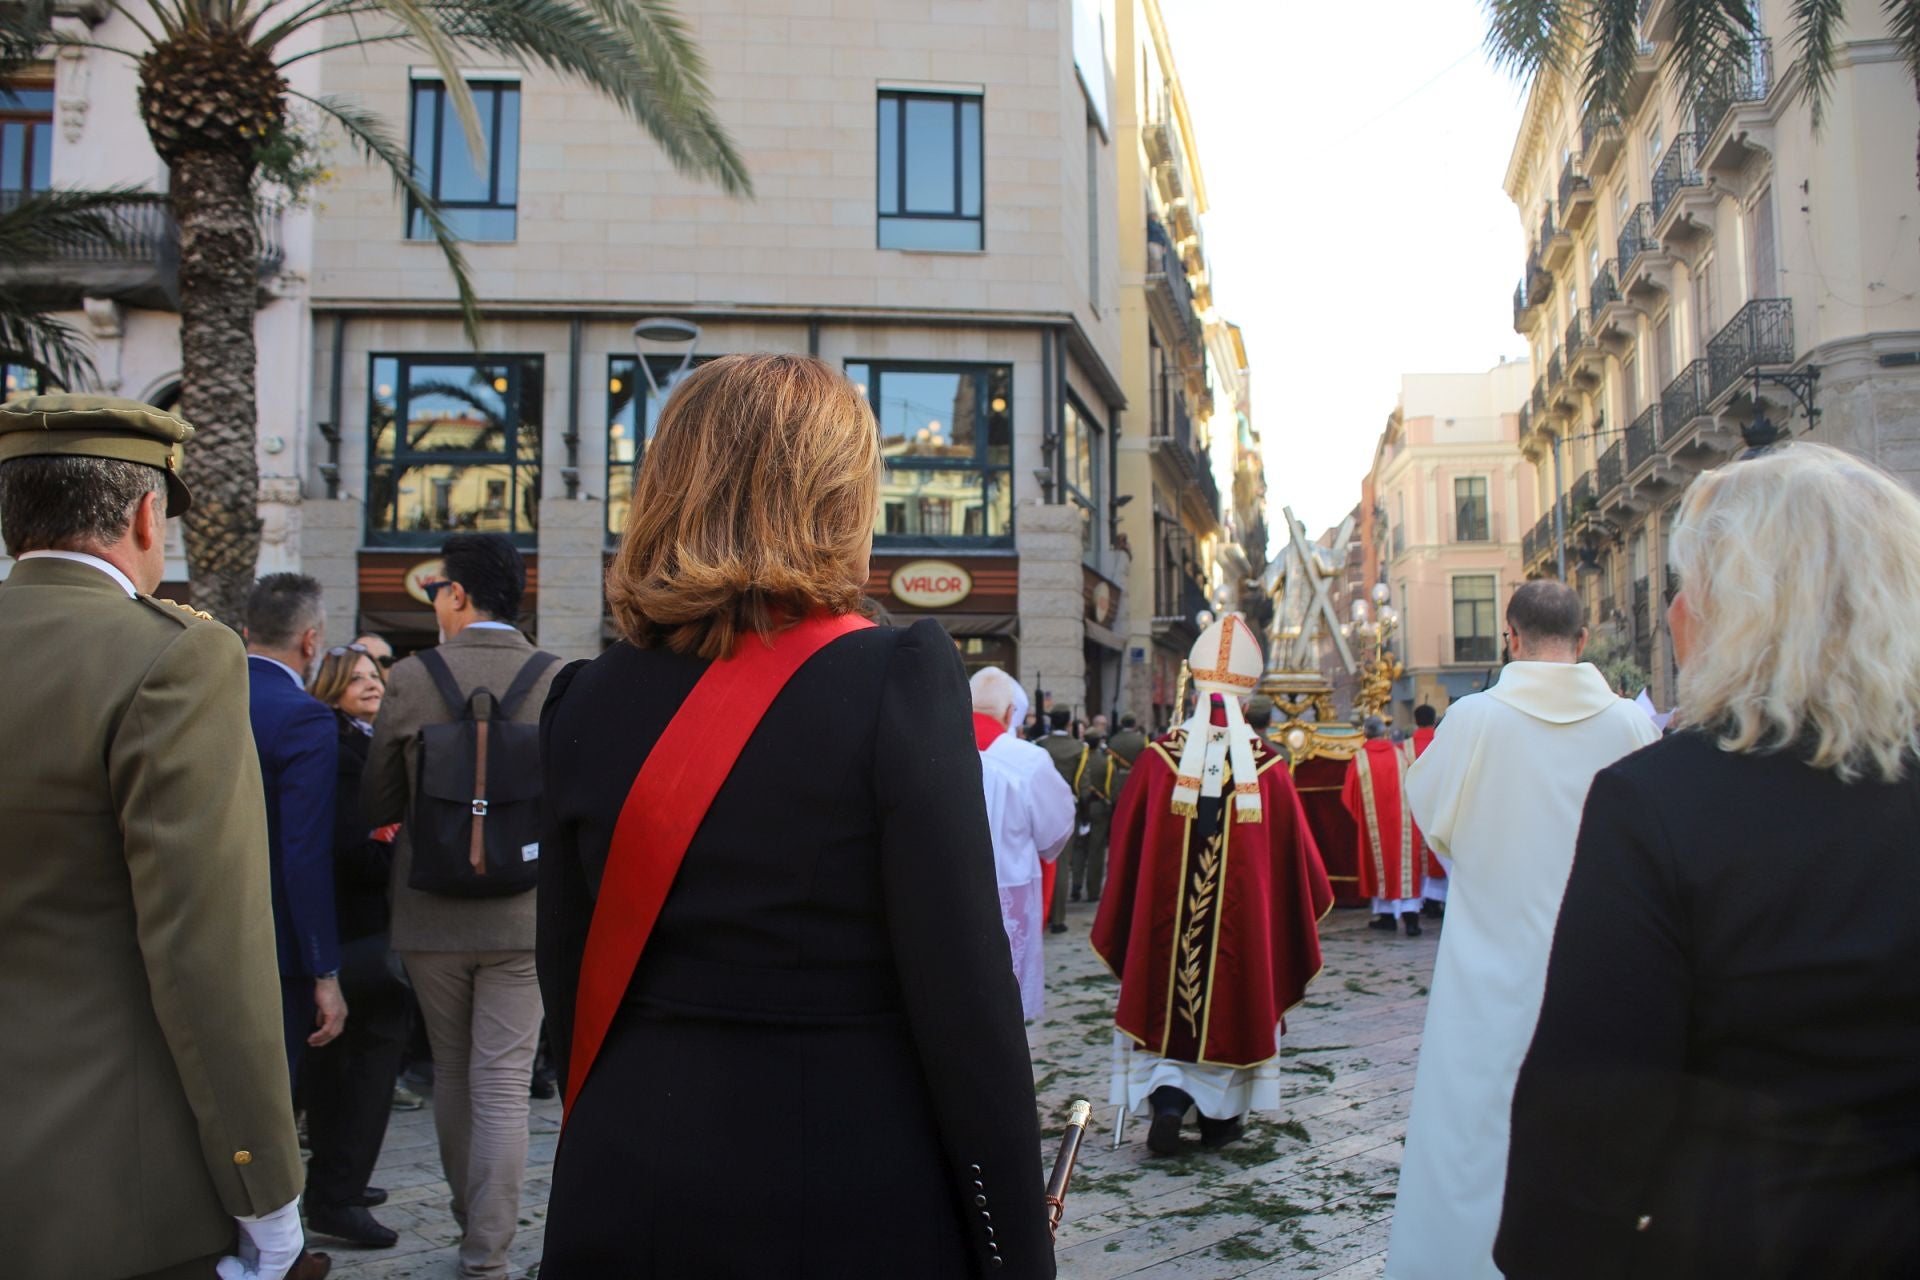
[[920, 502], [926, 415], [970, 159], [861, 378], [998, 508], [508, 145], [623, 441], [458, 408], [380, 495], [481, 224], [889, 155], [461, 177], [42, 175], [13, 98], [930, 158], [457, 498], [955, 235], [426, 98], [1000, 417], [13, 155], [380, 418]]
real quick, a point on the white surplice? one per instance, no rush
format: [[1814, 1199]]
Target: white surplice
[[1499, 793], [1030, 811]]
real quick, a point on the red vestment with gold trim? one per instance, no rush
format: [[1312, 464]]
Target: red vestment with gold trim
[[1422, 739], [1212, 927], [1390, 863]]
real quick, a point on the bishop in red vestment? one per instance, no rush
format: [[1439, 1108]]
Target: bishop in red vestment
[[1435, 885], [1391, 865], [1211, 915]]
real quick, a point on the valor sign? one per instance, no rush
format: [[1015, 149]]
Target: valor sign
[[930, 584]]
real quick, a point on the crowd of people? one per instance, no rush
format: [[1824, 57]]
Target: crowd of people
[[770, 885]]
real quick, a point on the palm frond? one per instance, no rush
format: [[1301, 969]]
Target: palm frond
[[1526, 37], [1614, 49], [369, 135], [1815, 30], [1710, 39], [40, 223], [648, 66], [1903, 23], [26, 27], [30, 336]]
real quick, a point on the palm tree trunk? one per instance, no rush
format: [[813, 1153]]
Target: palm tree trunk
[[219, 280]]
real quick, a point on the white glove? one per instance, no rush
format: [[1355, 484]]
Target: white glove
[[269, 1245]]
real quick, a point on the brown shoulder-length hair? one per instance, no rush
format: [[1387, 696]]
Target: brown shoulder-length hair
[[754, 506]]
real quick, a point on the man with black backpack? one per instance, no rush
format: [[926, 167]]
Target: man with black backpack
[[455, 761]]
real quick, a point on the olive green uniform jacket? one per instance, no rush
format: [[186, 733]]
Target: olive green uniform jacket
[[143, 1077]]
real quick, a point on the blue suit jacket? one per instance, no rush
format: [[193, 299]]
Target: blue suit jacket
[[299, 749]]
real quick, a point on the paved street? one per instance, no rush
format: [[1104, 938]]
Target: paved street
[[1310, 1196]]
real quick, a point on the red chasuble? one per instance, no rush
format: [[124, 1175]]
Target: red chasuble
[[1389, 867], [1422, 739], [1212, 928]]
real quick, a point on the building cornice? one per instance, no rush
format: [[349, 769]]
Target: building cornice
[[1163, 49]]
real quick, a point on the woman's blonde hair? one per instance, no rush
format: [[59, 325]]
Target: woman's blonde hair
[[334, 675], [753, 508], [1801, 570]]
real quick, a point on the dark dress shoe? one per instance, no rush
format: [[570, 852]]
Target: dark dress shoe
[[311, 1266], [352, 1224], [1432, 910], [1170, 1107], [543, 1086], [1215, 1134], [1056, 928], [1413, 923], [1382, 921], [371, 1198]]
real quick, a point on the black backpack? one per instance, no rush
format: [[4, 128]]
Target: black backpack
[[475, 826]]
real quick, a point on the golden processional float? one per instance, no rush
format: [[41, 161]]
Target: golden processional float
[[1319, 744]]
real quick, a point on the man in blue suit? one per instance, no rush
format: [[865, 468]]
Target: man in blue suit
[[295, 736]]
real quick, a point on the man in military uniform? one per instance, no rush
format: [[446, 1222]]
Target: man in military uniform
[[146, 1105], [1069, 754], [1098, 776], [1125, 748]]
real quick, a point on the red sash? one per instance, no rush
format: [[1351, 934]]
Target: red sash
[[668, 802]]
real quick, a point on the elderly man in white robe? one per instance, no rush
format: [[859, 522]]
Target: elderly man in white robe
[[1030, 811], [1499, 793]]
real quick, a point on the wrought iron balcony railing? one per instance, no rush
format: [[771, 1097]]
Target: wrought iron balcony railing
[[1573, 180], [1520, 305], [1605, 289], [1636, 237], [1759, 333], [1539, 395], [1643, 438], [1546, 221], [1608, 469], [1743, 79], [1593, 126], [1526, 420], [1556, 370], [1580, 499], [1684, 399], [1679, 168], [1576, 334]]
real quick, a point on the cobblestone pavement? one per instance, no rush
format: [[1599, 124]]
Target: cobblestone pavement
[[1306, 1194]]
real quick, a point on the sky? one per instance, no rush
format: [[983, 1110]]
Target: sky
[[1356, 225]]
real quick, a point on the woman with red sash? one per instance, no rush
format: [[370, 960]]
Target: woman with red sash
[[769, 938]]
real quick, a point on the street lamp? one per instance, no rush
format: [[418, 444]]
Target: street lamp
[[669, 332]]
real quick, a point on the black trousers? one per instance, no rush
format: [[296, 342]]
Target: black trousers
[[348, 1084]]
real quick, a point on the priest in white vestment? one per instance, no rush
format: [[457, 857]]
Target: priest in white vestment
[[1499, 793], [1030, 811]]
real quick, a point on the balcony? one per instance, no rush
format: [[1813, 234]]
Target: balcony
[[1170, 299], [1539, 400], [1760, 333], [1643, 623], [1683, 408], [1556, 242], [1190, 473], [1586, 360], [1608, 314], [1745, 79], [1643, 439], [1601, 141], [1576, 194], [136, 262], [1609, 472], [1582, 501], [1643, 262], [1559, 391], [1675, 217], [1649, 472]]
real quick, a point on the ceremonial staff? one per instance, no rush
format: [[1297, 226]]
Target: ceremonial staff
[[1077, 1117]]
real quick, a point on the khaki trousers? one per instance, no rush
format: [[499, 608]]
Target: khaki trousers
[[482, 1010]]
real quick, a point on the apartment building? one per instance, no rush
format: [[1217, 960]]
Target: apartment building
[[1241, 555], [934, 212], [1698, 265], [1454, 498], [1172, 520]]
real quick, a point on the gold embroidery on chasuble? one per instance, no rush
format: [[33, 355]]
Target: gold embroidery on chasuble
[[1364, 763]]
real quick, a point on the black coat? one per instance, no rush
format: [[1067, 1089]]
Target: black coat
[[1725, 1081], [361, 867], [821, 1068]]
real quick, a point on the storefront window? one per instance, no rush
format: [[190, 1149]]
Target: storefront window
[[946, 433], [453, 447], [633, 413], [1085, 465]]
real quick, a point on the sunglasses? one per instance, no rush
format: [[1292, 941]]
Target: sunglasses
[[383, 660], [434, 588]]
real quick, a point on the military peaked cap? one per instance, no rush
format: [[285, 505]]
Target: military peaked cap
[[87, 426]]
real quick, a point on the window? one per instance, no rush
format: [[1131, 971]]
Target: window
[[1083, 444], [26, 137], [946, 434], [454, 447], [1474, 637], [1765, 255], [1655, 145], [1472, 520], [930, 171], [1093, 214], [479, 201], [630, 427], [18, 381]]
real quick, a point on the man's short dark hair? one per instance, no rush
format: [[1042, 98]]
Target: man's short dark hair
[[1060, 717], [1547, 610], [1425, 717], [1260, 712], [66, 503], [491, 569], [281, 606], [1129, 721]]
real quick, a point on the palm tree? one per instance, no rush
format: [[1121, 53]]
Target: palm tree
[[215, 101], [1599, 40], [35, 228]]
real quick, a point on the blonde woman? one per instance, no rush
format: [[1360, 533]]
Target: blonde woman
[[1726, 1076]]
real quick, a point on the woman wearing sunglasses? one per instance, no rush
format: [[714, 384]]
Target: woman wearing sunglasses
[[348, 1084]]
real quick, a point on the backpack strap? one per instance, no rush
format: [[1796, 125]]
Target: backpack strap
[[523, 683], [443, 679]]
